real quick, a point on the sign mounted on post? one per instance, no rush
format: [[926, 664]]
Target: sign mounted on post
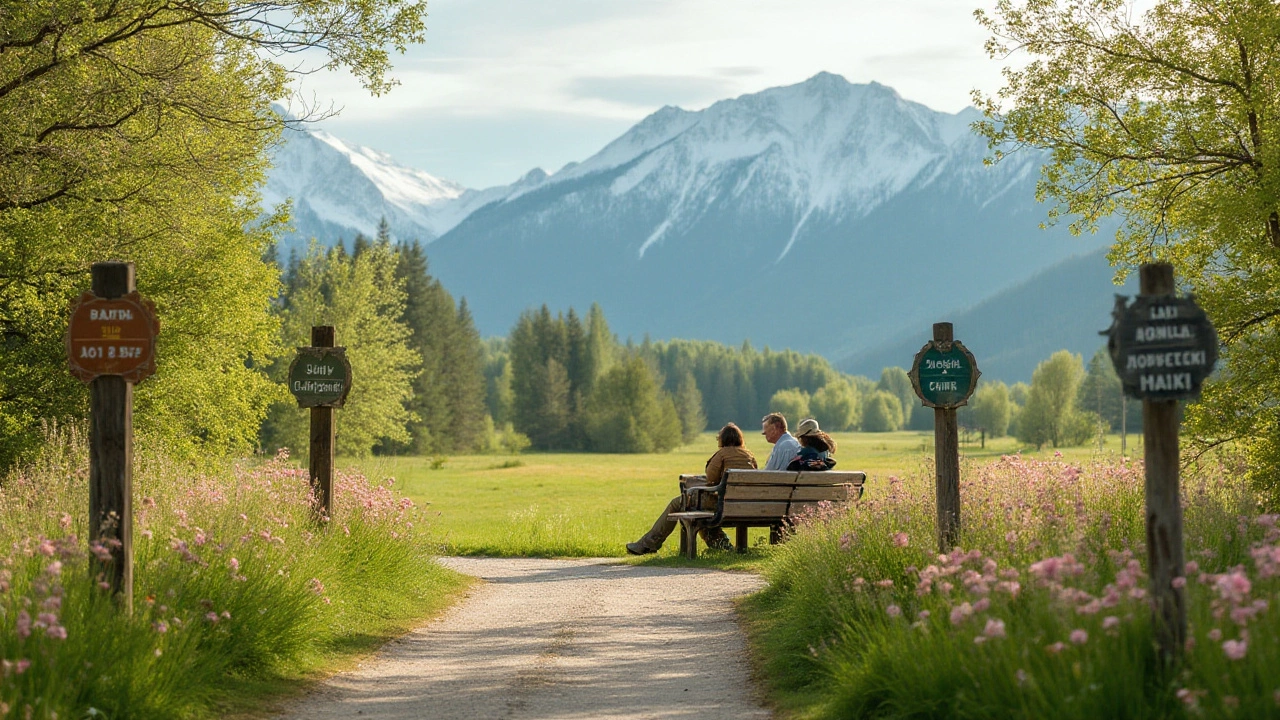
[[1163, 346], [944, 374], [112, 336], [320, 377]]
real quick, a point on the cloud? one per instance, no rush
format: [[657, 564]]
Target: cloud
[[931, 58], [651, 90]]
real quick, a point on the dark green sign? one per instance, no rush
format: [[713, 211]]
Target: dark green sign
[[944, 374], [320, 377]]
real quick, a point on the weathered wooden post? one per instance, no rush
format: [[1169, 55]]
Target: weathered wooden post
[[1163, 347], [111, 346], [320, 378], [944, 375]]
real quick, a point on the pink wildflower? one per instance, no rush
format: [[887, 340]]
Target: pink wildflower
[[1192, 567], [1021, 677], [1178, 582], [23, 625], [893, 611], [1215, 635], [994, 628], [317, 587], [1055, 648], [1078, 637], [960, 613], [211, 616], [982, 605], [923, 615], [234, 563], [160, 626], [21, 666], [886, 583], [1235, 649], [900, 539], [55, 568], [46, 548], [1110, 622], [846, 541], [57, 632], [1189, 697], [979, 640]]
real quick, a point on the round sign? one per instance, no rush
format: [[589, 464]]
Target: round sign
[[1163, 346], [944, 374], [320, 377], [114, 336]]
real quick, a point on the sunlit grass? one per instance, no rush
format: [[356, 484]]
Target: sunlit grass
[[591, 505]]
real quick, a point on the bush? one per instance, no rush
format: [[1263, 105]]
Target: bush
[[234, 582], [629, 413], [882, 412], [793, 404], [1045, 615]]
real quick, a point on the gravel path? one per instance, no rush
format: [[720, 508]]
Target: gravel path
[[561, 639]]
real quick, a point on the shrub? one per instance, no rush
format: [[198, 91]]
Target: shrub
[[1044, 614], [233, 579]]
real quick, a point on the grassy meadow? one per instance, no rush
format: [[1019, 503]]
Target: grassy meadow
[[590, 505]]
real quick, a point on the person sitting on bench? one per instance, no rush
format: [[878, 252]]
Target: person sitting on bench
[[731, 456], [816, 448]]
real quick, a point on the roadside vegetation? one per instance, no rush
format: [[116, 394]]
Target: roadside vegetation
[[1041, 613], [238, 591]]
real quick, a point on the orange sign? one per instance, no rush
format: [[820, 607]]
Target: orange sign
[[112, 337]]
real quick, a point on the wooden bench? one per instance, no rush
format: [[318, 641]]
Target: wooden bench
[[762, 498]]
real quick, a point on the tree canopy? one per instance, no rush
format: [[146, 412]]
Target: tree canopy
[[138, 130], [1170, 120]]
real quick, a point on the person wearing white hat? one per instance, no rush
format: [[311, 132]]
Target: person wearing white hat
[[815, 449]]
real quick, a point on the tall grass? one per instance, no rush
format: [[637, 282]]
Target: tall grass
[[234, 582], [1045, 612]]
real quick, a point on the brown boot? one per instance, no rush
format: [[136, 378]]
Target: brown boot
[[639, 548]]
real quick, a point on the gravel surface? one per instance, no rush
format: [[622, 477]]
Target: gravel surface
[[562, 639]]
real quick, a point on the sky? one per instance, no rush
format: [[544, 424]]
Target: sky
[[500, 87]]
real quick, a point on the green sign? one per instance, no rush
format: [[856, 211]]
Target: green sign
[[320, 377], [944, 374]]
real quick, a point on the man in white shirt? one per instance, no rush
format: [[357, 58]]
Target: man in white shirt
[[785, 447]]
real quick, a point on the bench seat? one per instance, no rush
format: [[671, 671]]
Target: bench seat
[[763, 498]]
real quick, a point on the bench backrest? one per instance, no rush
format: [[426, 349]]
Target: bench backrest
[[751, 494]]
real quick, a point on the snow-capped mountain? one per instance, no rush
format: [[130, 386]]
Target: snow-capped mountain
[[823, 216], [339, 189]]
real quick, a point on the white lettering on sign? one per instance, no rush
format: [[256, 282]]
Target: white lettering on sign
[[1164, 332], [1165, 383], [1163, 312], [314, 386], [1189, 358], [320, 369], [110, 314], [951, 363], [942, 386]]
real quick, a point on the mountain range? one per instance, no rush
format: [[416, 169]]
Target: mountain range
[[825, 216]]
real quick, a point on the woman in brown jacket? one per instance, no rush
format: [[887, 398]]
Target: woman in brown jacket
[[731, 456]]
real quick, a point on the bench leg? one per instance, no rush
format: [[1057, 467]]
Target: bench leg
[[741, 538], [684, 539], [691, 533], [775, 534]]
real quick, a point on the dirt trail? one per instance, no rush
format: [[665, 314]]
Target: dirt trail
[[561, 639]]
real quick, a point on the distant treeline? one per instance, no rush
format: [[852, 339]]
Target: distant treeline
[[425, 383]]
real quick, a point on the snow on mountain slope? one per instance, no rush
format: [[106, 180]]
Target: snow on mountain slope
[[824, 146], [339, 189]]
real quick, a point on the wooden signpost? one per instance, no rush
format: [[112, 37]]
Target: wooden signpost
[[320, 378], [944, 375], [111, 345], [1163, 347]]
